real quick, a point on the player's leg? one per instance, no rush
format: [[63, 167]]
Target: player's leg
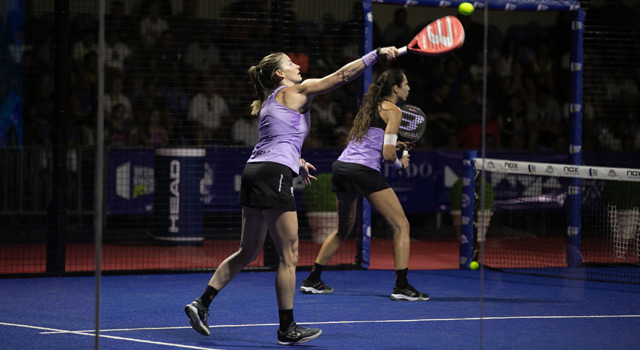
[[387, 204], [346, 204], [283, 227], [254, 231]]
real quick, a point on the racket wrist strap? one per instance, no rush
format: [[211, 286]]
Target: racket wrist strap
[[397, 164], [371, 58]]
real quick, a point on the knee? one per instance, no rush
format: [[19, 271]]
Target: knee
[[402, 227]]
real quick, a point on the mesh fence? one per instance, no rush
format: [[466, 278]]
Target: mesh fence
[[175, 81]]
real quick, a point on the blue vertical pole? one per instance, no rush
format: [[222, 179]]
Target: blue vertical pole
[[468, 202], [574, 256], [366, 207]]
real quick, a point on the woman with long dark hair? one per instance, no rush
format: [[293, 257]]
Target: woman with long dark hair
[[266, 191], [373, 137]]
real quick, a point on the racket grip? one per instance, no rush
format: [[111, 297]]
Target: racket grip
[[402, 50], [405, 152]]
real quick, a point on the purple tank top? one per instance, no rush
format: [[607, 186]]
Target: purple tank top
[[368, 151], [281, 133]]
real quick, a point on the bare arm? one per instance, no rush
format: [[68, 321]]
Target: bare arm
[[299, 97], [393, 117]]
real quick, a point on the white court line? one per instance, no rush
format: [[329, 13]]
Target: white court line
[[357, 322], [59, 331]]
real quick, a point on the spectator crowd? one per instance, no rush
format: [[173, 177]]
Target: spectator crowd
[[175, 78]]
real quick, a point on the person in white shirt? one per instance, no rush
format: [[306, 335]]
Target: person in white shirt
[[207, 110]]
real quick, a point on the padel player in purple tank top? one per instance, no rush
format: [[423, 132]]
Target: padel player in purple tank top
[[372, 139], [266, 189]]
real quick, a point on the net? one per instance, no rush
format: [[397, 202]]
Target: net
[[528, 226]]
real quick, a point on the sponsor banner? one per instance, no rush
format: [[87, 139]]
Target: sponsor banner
[[560, 170], [130, 181]]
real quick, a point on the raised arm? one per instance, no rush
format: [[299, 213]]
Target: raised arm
[[299, 97]]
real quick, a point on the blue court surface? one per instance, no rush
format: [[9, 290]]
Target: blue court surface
[[146, 312]]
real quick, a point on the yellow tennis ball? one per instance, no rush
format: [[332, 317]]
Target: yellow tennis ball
[[466, 8], [474, 265]]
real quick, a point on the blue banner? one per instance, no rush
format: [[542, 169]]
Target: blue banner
[[425, 187]]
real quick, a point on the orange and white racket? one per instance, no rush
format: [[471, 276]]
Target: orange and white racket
[[439, 37]]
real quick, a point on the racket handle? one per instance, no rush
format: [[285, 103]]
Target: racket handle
[[402, 50], [405, 152]]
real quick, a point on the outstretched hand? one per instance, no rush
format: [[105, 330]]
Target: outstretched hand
[[304, 172]]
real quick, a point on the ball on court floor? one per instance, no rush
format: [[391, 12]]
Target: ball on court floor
[[474, 265], [466, 8]]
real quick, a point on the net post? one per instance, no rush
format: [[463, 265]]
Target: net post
[[574, 256], [467, 208], [365, 247]]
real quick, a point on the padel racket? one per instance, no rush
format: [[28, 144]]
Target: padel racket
[[439, 37], [412, 127]]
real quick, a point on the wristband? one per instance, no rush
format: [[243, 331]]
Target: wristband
[[371, 58], [398, 164]]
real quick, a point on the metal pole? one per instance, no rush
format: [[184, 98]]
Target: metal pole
[[99, 180]]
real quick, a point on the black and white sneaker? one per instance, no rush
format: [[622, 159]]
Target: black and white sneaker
[[296, 334], [409, 293], [198, 315], [315, 287]]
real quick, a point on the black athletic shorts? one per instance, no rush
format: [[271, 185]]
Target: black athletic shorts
[[267, 185], [356, 178]]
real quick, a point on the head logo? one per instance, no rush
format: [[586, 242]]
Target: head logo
[[612, 173], [510, 7], [573, 231], [574, 190], [575, 149], [532, 168], [465, 220], [549, 170], [593, 172], [445, 3], [542, 8]]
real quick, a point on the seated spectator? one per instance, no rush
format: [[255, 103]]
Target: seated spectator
[[118, 21], [463, 110], [116, 126], [207, 111], [511, 122], [89, 43], [244, 131], [116, 96], [325, 113], [157, 133], [152, 26], [117, 52], [202, 54], [471, 136], [544, 120]]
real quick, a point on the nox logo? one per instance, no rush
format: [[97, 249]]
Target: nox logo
[[633, 173], [571, 169], [612, 173], [549, 170], [509, 165], [174, 198], [439, 38], [593, 172]]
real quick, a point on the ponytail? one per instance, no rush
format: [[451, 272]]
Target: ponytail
[[376, 93], [264, 80]]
